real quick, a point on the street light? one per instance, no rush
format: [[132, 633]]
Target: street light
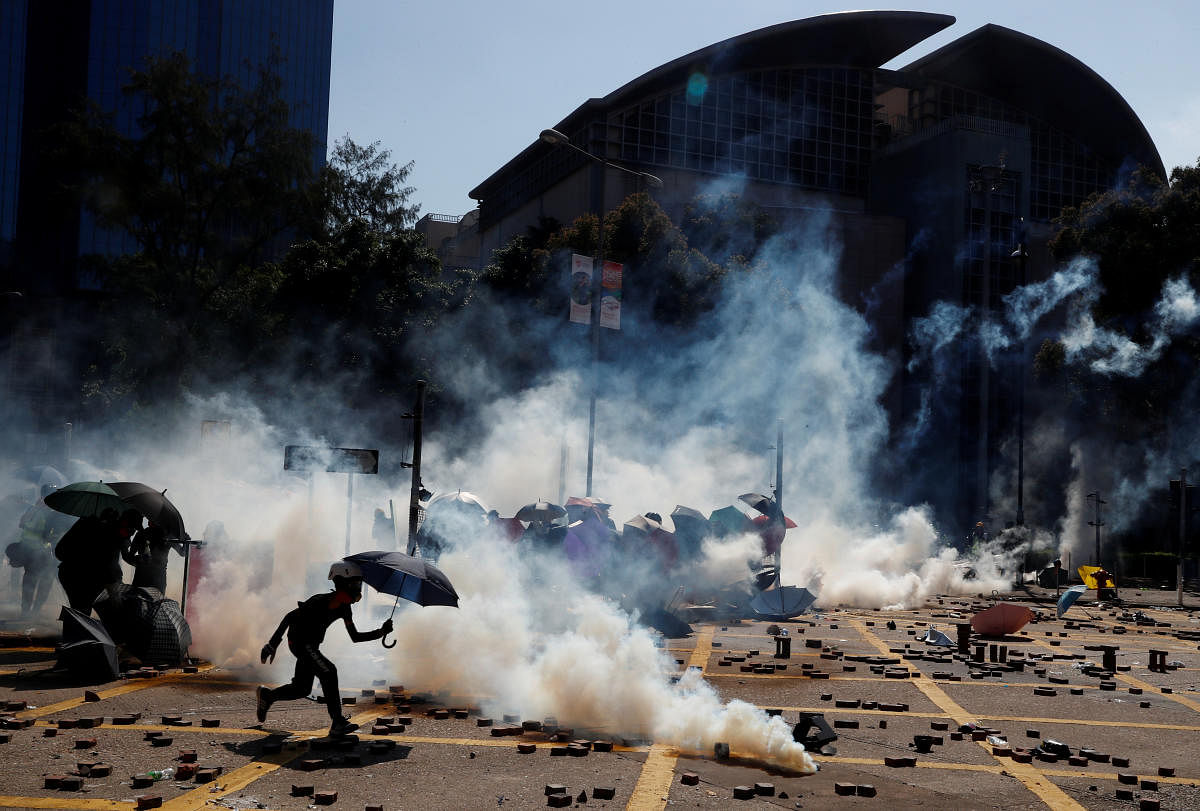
[[1097, 523], [1021, 255], [556, 138]]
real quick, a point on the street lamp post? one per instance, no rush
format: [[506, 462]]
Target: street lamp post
[[556, 138], [1021, 255], [1097, 523]]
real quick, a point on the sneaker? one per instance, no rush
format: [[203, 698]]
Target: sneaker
[[264, 703], [341, 727]]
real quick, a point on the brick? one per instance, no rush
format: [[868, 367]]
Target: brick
[[1148, 804], [577, 750], [171, 719], [558, 800], [209, 723], [1166, 771], [147, 801], [1125, 794], [555, 788], [900, 762], [764, 789], [124, 720], [206, 775], [312, 764], [100, 770], [483, 722], [866, 790], [604, 792], [141, 781], [302, 791], [602, 746], [1127, 778], [91, 695], [526, 748], [325, 797], [52, 780], [49, 732], [1120, 762], [687, 779], [845, 724], [1147, 784], [85, 743], [743, 792], [161, 741], [843, 789], [186, 771]]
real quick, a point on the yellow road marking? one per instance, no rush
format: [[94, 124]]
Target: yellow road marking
[[654, 783], [63, 802], [129, 686], [1053, 796], [231, 781]]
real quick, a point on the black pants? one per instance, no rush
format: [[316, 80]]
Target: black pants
[[82, 589], [35, 587], [310, 664]]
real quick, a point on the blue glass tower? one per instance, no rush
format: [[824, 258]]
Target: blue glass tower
[[54, 55]]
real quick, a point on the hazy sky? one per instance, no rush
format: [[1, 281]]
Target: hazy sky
[[461, 87]]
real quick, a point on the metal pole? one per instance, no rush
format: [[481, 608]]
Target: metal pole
[[597, 272], [349, 507], [562, 472], [778, 518], [414, 497], [1022, 255], [1183, 508]]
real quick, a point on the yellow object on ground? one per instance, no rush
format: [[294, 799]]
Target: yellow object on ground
[[1095, 577]]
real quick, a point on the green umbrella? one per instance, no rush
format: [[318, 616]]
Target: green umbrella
[[85, 498]]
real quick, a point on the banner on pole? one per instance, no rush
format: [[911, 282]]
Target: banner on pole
[[581, 289], [610, 295]]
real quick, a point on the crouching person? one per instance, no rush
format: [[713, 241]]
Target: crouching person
[[306, 625]]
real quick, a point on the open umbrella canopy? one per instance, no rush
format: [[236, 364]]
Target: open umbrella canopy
[[933, 636], [641, 525], [87, 651], [1001, 619], [93, 498], [730, 521], [154, 505], [782, 603], [1069, 597], [85, 498], [758, 501], [459, 498], [41, 475], [406, 577], [540, 511]]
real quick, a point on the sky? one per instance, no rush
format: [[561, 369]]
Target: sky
[[459, 88]]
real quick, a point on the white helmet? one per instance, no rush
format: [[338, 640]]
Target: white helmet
[[344, 568]]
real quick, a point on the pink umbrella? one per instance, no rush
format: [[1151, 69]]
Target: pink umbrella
[[1001, 619]]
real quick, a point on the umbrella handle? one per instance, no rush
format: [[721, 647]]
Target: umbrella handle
[[383, 639]]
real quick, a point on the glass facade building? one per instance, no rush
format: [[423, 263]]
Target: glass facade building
[[57, 54], [966, 153]]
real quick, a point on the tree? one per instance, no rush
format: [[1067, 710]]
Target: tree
[[206, 191], [360, 183], [365, 283]]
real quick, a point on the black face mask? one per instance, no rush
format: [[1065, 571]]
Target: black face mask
[[352, 587]]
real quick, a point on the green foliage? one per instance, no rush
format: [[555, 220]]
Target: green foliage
[[1140, 235], [360, 183], [206, 192]]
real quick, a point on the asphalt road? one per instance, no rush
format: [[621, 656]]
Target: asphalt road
[[875, 683]]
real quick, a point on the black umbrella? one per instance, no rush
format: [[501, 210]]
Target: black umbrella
[[153, 504], [87, 649], [540, 511], [764, 504], [415, 579]]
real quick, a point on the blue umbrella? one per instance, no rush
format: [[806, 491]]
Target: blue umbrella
[[404, 576], [1069, 597]]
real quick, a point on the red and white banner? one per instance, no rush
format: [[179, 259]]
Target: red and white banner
[[610, 295]]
